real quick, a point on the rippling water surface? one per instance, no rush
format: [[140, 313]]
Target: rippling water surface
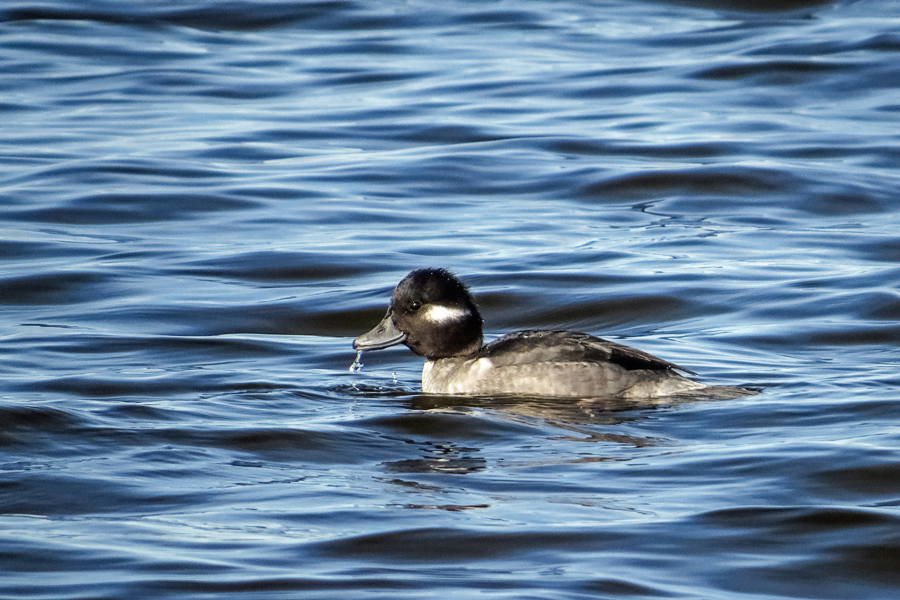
[[202, 203]]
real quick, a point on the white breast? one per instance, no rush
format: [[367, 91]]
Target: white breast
[[455, 375]]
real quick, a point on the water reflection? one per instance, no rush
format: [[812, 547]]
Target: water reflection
[[559, 411]]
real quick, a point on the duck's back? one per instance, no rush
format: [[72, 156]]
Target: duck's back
[[556, 363]]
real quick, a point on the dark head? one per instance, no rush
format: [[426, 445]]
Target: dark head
[[431, 312]]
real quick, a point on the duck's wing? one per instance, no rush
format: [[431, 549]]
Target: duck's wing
[[535, 346]]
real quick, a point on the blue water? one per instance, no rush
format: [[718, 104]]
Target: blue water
[[202, 203]]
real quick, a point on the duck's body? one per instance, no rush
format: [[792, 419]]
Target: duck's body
[[554, 363], [433, 313]]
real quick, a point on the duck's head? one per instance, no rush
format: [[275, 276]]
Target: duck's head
[[433, 313]]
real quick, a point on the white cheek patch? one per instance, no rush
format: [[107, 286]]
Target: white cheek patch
[[438, 313]]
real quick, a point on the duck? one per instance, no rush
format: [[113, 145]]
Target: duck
[[434, 314]]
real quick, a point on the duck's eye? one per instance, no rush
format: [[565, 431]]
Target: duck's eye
[[416, 305]]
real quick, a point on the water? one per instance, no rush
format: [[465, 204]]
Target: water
[[201, 204], [357, 362]]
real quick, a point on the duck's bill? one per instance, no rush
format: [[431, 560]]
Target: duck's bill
[[384, 335]]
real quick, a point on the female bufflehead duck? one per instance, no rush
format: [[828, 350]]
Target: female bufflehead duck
[[433, 313]]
